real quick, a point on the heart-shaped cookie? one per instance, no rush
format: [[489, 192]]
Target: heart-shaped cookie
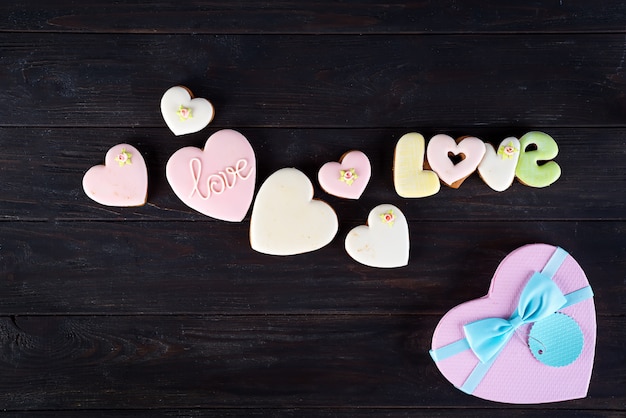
[[217, 181], [182, 113], [531, 339], [285, 218], [347, 178], [497, 169], [121, 181], [383, 242], [440, 147], [409, 177]]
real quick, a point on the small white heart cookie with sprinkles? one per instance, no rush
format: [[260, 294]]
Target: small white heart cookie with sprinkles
[[182, 113], [383, 242], [497, 169]]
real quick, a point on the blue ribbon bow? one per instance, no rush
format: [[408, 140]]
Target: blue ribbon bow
[[540, 298]]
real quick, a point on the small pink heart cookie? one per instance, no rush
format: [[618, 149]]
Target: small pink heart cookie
[[347, 178], [217, 181], [122, 180], [530, 340], [182, 113], [470, 149]]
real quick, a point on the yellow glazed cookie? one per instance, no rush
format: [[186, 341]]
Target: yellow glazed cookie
[[409, 177]]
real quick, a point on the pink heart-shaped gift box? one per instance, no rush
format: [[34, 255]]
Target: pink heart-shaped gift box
[[516, 376]]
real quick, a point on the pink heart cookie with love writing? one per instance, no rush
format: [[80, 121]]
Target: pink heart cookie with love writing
[[122, 180], [530, 340], [470, 149], [217, 181], [347, 178]]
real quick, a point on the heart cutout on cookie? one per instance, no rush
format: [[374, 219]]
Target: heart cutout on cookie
[[409, 177], [530, 340], [497, 169], [286, 220], [383, 242], [453, 174], [218, 180], [182, 113], [347, 178], [122, 180]]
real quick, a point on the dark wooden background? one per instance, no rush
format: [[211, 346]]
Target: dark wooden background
[[161, 311]]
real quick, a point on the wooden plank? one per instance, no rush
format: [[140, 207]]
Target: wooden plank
[[365, 16], [316, 81], [42, 172], [343, 361], [340, 412], [191, 267]]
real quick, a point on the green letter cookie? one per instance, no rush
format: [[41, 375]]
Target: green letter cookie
[[528, 170]]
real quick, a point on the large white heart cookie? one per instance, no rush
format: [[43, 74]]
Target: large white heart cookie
[[470, 149], [285, 218], [121, 181], [217, 181], [383, 242], [182, 113], [497, 169]]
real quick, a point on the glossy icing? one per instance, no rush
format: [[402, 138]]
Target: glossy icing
[[409, 177], [182, 113], [453, 175], [285, 218], [497, 169], [218, 180], [383, 242], [348, 177], [121, 181], [529, 171]]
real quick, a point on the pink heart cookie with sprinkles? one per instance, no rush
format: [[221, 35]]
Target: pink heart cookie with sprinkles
[[348, 177], [122, 180]]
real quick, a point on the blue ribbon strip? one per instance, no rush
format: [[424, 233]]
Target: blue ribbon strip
[[540, 298]]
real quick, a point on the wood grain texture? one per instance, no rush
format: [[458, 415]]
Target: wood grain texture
[[347, 17], [42, 172], [191, 267], [160, 311], [396, 412], [310, 81], [123, 362]]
